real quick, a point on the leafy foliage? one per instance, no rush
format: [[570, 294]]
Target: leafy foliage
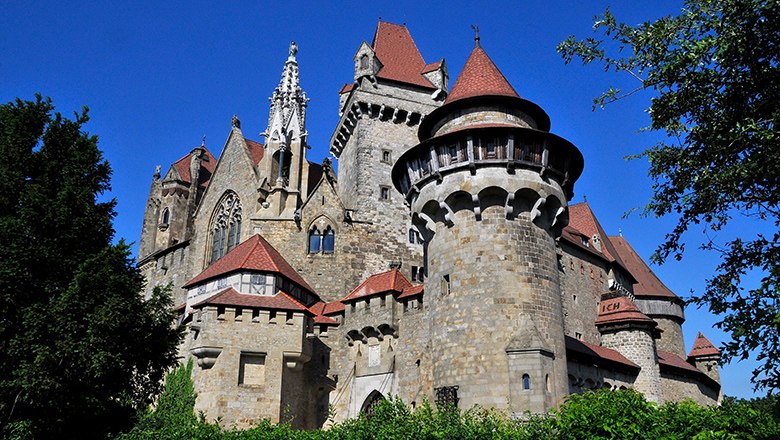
[[714, 70], [603, 414], [80, 350]]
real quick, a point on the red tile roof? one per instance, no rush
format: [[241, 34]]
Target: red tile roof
[[256, 150], [392, 281], [480, 77], [400, 58], [253, 254], [577, 349], [432, 66], [574, 236], [620, 310], [412, 291], [347, 88], [647, 283], [231, 297], [207, 166], [669, 359], [703, 347], [581, 218]]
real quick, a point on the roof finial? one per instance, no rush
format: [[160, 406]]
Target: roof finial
[[235, 122], [293, 49], [203, 141], [476, 35], [620, 231], [585, 198]]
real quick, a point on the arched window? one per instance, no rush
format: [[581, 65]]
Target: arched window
[[369, 405], [225, 226], [322, 241], [166, 216], [364, 61], [526, 382], [315, 238], [328, 240]]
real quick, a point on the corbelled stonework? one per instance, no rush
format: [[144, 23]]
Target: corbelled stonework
[[443, 262]]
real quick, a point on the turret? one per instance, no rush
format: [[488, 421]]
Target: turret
[[631, 333], [488, 186], [706, 357]]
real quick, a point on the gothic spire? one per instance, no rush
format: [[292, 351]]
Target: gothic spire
[[287, 118]]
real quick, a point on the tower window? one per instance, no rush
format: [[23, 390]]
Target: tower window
[[445, 285], [526, 382], [386, 158], [364, 62], [166, 216], [384, 193]]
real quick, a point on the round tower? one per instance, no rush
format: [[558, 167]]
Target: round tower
[[488, 188]]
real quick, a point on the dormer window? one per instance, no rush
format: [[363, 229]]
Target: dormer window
[[585, 241], [364, 62]]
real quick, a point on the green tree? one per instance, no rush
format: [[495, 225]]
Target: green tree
[[713, 71], [80, 350]]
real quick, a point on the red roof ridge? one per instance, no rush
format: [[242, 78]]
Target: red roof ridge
[[702, 347], [480, 77], [581, 217], [182, 166], [412, 291], [430, 67]]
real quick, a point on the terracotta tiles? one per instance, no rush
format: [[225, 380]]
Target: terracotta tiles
[[576, 348], [620, 310], [647, 283], [209, 163], [392, 281], [256, 150], [703, 347], [253, 254], [400, 58], [480, 77]]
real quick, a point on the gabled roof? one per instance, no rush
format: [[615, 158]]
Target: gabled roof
[[256, 150], [400, 58], [231, 297], [430, 67], [582, 219], [703, 347], [208, 164], [347, 88], [621, 310], [392, 281], [480, 77], [253, 254], [647, 283], [602, 356]]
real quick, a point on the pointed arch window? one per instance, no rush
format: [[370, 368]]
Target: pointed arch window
[[226, 226], [166, 216], [322, 241], [315, 238], [526, 382], [328, 240]]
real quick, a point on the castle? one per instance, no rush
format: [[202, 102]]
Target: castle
[[442, 263]]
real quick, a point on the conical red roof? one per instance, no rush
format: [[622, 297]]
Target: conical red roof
[[703, 347], [621, 310], [480, 77]]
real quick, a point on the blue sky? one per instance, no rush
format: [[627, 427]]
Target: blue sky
[[158, 76]]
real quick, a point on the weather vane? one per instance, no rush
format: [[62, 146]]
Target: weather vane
[[476, 35]]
